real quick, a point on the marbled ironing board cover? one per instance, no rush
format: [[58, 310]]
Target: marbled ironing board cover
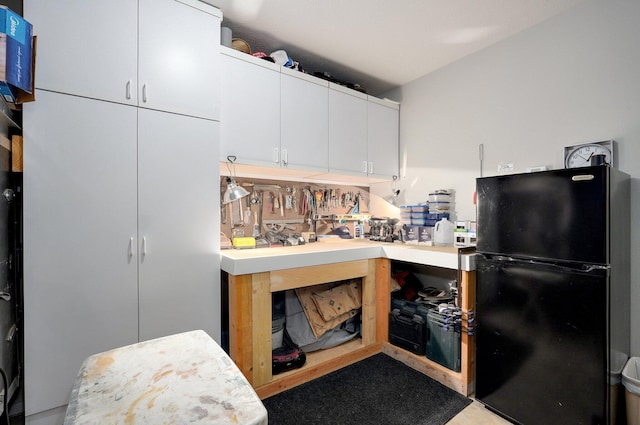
[[183, 378]]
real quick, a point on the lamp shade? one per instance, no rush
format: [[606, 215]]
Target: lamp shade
[[393, 198], [233, 192]]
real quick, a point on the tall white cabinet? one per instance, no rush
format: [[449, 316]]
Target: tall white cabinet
[[178, 225], [80, 213], [121, 199]]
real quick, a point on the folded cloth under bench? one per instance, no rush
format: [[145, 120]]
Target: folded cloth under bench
[[327, 306]]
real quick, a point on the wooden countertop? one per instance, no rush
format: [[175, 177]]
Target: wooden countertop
[[258, 260]]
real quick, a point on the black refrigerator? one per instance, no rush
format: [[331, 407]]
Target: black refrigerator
[[553, 309]]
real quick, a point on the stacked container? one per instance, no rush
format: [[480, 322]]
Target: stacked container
[[443, 339], [440, 201], [418, 222]]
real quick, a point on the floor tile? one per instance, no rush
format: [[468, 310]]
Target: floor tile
[[477, 414]]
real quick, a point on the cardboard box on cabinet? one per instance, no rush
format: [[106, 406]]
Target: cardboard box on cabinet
[[16, 56]]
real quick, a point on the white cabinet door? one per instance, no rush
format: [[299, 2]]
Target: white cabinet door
[[250, 116], [163, 56], [179, 205], [179, 57], [383, 136], [80, 271], [347, 131], [305, 117], [86, 48]]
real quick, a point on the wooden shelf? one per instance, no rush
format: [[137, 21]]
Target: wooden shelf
[[463, 381], [319, 363], [445, 376], [250, 321]]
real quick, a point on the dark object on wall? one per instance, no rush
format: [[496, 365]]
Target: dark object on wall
[[599, 159]]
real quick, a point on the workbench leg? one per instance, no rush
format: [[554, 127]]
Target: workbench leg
[[468, 343], [368, 330], [240, 324], [383, 298], [262, 316]]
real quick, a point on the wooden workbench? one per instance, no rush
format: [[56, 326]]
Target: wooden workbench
[[255, 274]]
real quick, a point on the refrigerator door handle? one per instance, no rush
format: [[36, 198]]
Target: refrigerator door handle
[[592, 267], [584, 268]]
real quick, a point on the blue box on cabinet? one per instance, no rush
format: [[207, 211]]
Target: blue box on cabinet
[[15, 54]]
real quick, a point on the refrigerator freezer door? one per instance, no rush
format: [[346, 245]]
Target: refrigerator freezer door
[[559, 214], [540, 345]]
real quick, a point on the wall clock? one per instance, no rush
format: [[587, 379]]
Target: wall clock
[[580, 155]]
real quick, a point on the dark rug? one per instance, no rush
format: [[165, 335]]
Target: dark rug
[[378, 390]]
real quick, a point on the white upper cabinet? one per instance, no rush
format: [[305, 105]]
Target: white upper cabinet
[[250, 118], [146, 53], [305, 115], [363, 134], [281, 118], [347, 131], [87, 48], [179, 57], [383, 120]]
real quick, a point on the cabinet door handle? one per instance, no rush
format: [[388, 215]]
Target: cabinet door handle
[[285, 157], [276, 155], [144, 245], [12, 333], [132, 251], [370, 167], [128, 94], [364, 166], [144, 93]]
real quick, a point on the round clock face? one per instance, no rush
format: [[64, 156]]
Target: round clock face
[[581, 156]]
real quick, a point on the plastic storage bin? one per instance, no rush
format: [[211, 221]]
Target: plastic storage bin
[[407, 331], [440, 197], [443, 343], [439, 206], [631, 382]]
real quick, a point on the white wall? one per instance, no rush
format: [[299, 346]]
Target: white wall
[[569, 80]]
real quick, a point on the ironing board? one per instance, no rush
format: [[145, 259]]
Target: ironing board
[[183, 378]]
